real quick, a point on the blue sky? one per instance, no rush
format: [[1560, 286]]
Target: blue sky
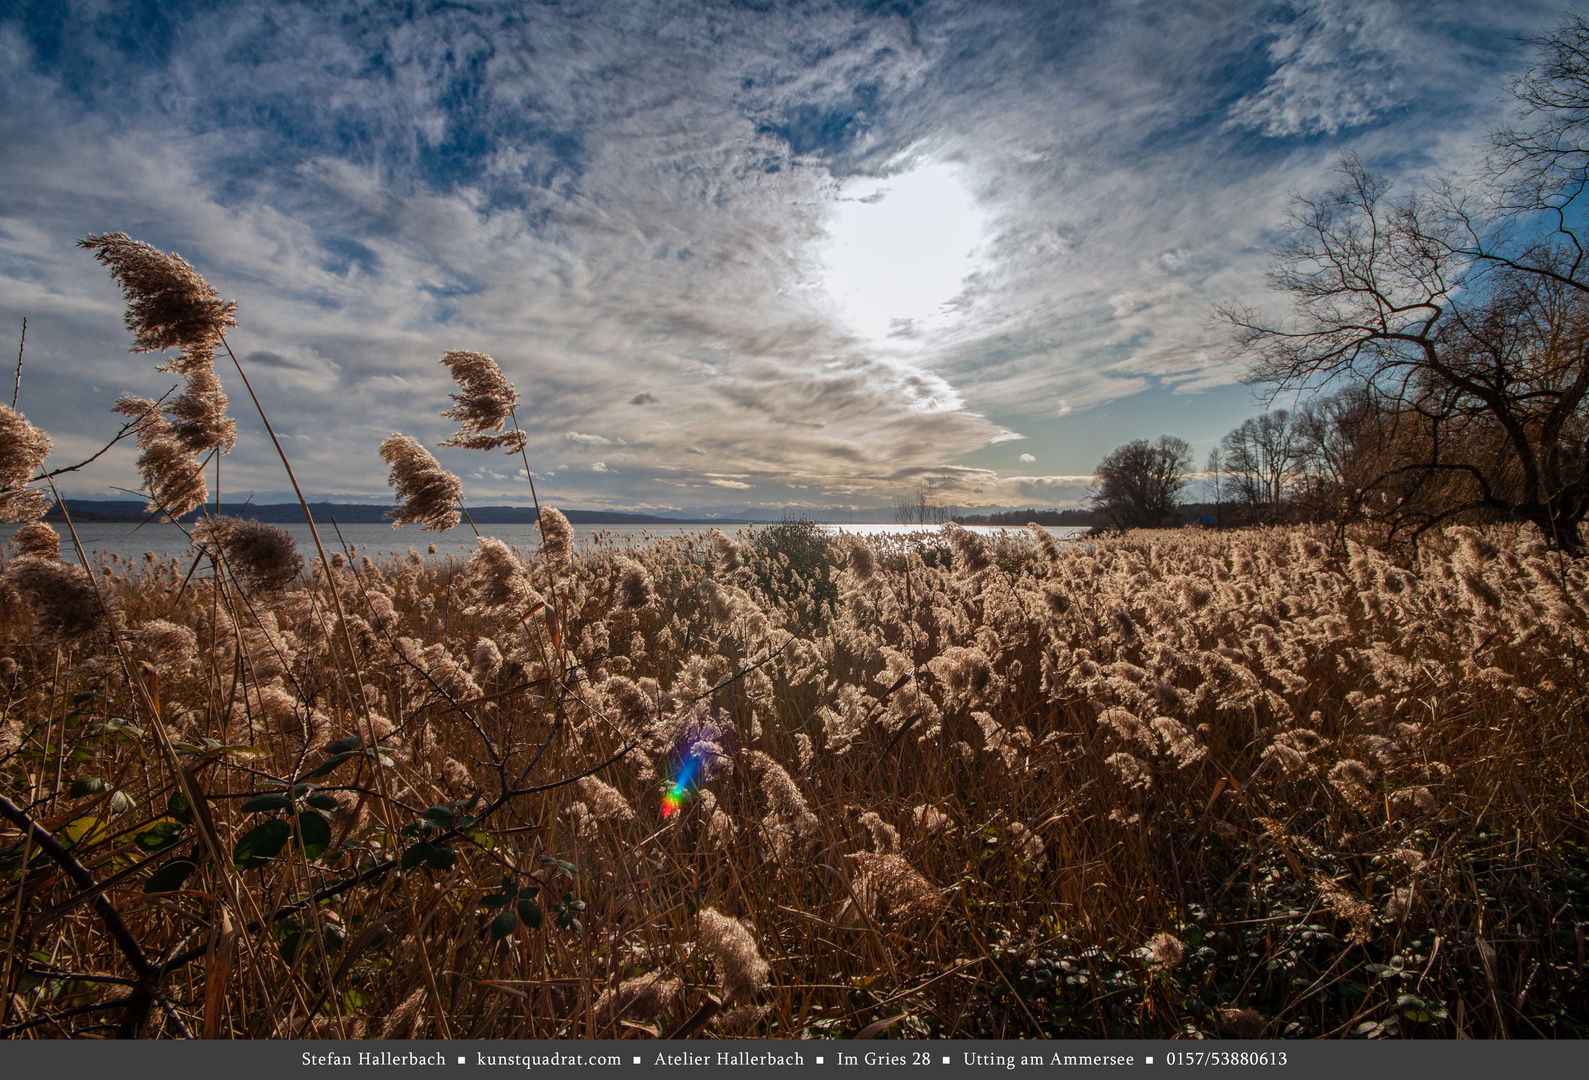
[[747, 254]]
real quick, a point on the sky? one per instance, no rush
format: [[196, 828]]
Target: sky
[[804, 256]]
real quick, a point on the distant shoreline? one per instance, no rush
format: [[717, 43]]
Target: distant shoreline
[[130, 511], [133, 512]]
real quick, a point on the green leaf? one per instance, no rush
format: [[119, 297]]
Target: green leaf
[[492, 901], [178, 807], [89, 785], [529, 892], [415, 854], [83, 831], [561, 864], [441, 815], [267, 802], [529, 913], [261, 844], [328, 765], [1420, 1010], [121, 802], [441, 857], [321, 801], [344, 745], [170, 877], [482, 839], [354, 999], [314, 834], [503, 925], [159, 836]]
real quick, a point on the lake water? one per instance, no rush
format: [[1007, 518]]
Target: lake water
[[131, 542]]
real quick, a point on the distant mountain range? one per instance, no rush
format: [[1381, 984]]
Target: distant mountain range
[[352, 513], [365, 513]]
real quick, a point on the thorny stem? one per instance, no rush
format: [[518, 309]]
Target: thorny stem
[[148, 974], [16, 391]]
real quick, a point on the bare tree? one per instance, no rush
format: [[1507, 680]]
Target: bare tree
[[1486, 360], [1261, 459], [919, 507], [1138, 486], [1214, 481]]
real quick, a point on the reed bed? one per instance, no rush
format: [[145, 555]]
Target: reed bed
[[1168, 783], [1190, 783]]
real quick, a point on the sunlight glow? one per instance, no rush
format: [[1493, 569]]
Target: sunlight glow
[[899, 250]]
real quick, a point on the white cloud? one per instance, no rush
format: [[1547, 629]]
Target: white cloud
[[1028, 458], [658, 205], [1337, 65]]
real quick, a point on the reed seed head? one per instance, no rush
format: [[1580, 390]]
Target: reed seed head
[[64, 601], [635, 587], [168, 304], [557, 538], [260, 556], [642, 999], [428, 494], [484, 407], [199, 422], [38, 540], [741, 972], [172, 474], [1166, 951], [23, 449]]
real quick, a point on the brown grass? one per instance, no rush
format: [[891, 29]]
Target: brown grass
[[1171, 783]]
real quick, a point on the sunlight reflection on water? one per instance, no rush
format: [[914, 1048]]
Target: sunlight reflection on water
[[131, 542]]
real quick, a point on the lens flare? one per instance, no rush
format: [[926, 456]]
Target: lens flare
[[673, 798]]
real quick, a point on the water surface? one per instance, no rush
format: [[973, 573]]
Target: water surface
[[138, 543]]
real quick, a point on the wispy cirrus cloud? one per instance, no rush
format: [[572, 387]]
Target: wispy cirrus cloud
[[636, 209]]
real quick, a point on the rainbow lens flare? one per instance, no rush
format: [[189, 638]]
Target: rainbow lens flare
[[672, 801], [673, 798]]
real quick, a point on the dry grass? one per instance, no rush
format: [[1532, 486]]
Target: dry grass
[[1172, 783]]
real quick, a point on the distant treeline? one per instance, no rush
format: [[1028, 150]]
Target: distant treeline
[[1023, 517], [110, 510]]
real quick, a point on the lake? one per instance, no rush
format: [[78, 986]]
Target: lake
[[133, 542]]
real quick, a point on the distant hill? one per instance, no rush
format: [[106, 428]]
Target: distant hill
[[115, 510]]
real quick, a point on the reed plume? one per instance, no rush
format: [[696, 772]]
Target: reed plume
[[486, 404], [557, 538], [199, 422], [262, 557], [641, 999], [38, 540], [172, 473], [635, 587], [168, 304], [741, 972], [23, 449], [63, 600], [428, 495]]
